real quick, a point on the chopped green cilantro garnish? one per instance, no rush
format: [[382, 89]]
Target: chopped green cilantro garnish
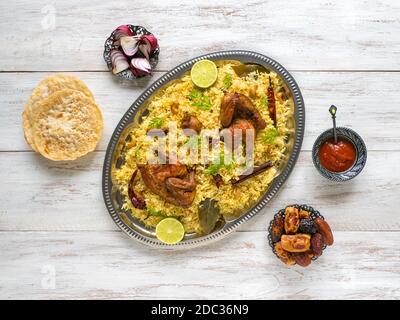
[[200, 100], [214, 168], [227, 81], [270, 135], [154, 213], [195, 94], [156, 123], [263, 102], [137, 152]]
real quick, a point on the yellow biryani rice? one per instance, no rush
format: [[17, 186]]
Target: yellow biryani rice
[[233, 200]]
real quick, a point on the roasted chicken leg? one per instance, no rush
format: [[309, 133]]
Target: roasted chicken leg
[[173, 182], [237, 105]]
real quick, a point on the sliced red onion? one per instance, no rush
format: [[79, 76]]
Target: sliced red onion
[[137, 72], [145, 48], [121, 31], [152, 40], [118, 61], [140, 67], [130, 45]]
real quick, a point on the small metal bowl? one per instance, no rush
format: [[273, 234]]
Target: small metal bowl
[[109, 45], [361, 154], [314, 214]]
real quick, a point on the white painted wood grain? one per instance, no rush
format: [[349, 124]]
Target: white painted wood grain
[[52, 214], [113, 96], [327, 35], [97, 265], [38, 194], [368, 103]]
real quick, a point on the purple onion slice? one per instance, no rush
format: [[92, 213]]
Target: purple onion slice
[[130, 45], [140, 66], [118, 61]]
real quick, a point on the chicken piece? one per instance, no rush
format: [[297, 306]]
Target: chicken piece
[[241, 127], [166, 171], [191, 122], [227, 109], [246, 110], [178, 186], [237, 105], [172, 182]]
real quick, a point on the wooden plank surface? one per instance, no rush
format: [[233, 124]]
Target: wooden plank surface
[[306, 35], [98, 265], [43, 195], [368, 103], [52, 216]]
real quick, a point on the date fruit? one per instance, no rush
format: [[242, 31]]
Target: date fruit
[[317, 244], [303, 214], [302, 258], [325, 231], [277, 229], [307, 226], [292, 220], [286, 257], [296, 243]]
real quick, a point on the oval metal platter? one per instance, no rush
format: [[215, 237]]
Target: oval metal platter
[[114, 200]]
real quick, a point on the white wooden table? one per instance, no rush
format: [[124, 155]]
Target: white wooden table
[[56, 237]]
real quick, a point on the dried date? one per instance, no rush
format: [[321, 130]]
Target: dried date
[[284, 256], [303, 214], [302, 258], [317, 244], [277, 229], [307, 226], [292, 220], [325, 231], [296, 243]]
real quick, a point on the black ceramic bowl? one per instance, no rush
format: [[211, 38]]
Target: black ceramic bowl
[[314, 214], [109, 45], [361, 154]]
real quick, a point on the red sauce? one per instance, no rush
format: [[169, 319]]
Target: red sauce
[[337, 157]]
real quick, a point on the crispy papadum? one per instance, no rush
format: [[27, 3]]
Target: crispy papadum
[[26, 124], [78, 115], [66, 125], [54, 83]]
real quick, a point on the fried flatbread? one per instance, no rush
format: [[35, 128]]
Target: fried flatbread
[[66, 125], [54, 83]]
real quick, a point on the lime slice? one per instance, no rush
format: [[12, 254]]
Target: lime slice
[[170, 231], [204, 73]]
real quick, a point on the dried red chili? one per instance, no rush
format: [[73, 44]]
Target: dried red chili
[[271, 102], [137, 201]]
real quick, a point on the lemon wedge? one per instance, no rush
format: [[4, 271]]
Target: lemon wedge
[[170, 231], [204, 73]]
